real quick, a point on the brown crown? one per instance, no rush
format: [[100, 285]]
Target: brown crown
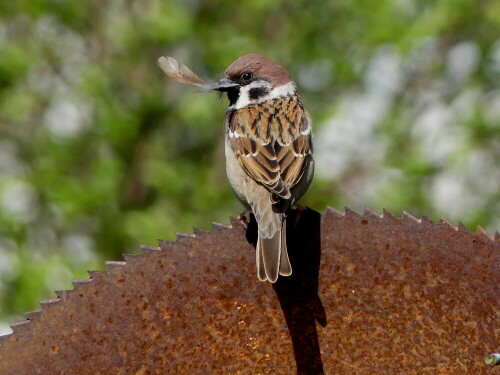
[[259, 66]]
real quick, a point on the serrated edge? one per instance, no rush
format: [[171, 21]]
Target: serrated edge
[[330, 211], [130, 257], [181, 235], [426, 220], [217, 227], [235, 222], [18, 325], [481, 230], [371, 213], [445, 222], [47, 304], [63, 294], [388, 215], [94, 275], [110, 265], [33, 315], [152, 249], [407, 216], [199, 231], [114, 264], [77, 284], [462, 228], [350, 212]]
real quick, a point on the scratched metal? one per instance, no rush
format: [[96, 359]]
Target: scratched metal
[[369, 295]]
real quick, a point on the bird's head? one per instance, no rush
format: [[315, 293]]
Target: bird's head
[[254, 78]]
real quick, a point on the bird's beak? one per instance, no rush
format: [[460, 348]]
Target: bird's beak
[[224, 85]]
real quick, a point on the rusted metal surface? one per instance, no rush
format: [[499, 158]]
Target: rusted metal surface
[[369, 295]]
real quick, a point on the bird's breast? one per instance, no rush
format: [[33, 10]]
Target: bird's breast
[[281, 119]]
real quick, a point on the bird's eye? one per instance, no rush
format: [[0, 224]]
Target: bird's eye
[[246, 76]]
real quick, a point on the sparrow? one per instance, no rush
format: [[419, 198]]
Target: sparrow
[[268, 148]]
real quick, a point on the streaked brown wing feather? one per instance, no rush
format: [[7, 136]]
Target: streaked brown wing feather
[[260, 164], [276, 159], [291, 159]]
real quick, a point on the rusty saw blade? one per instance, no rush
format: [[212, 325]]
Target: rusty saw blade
[[370, 294]]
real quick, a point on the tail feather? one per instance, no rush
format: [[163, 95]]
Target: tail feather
[[285, 266], [270, 250], [261, 271], [272, 257]]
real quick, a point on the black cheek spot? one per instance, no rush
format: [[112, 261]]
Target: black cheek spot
[[257, 92]]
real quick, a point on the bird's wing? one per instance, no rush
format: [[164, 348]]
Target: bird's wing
[[293, 154], [269, 143]]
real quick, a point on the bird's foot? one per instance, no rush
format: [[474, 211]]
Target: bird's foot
[[243, 218]]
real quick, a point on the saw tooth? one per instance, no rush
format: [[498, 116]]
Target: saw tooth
[[348, 211], [462, 228], [19, 326], [63, 294], [235, 222], [184, 235], [425, 220], [330, 211], [216, 227], [164, 245], [95, 275], [481, 230], [370, 212], [152, 249], [444, 221], [47, 302], [77, 284], [388, 215], [113, 264], [199, 231], [130, 257], [33, 315], [407, 216]]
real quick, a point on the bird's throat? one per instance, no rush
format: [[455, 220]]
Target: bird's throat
[[233, 94]]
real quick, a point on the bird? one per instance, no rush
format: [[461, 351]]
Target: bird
[[268, 147]]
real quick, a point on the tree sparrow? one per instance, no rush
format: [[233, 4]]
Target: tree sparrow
[[268, 148], [268, 152]]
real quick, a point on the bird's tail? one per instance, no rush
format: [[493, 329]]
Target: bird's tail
[[272, 254]]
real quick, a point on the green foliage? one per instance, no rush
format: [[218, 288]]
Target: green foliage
[[99, 152]]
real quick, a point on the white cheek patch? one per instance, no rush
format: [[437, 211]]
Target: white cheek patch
[[283, 90], [244, 99]]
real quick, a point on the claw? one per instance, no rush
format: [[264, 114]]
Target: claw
[[243, 219]]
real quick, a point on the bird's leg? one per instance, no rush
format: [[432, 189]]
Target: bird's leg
[[300, 209], [243, 218]]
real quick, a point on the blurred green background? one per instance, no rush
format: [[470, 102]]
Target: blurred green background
[[100, 152]]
